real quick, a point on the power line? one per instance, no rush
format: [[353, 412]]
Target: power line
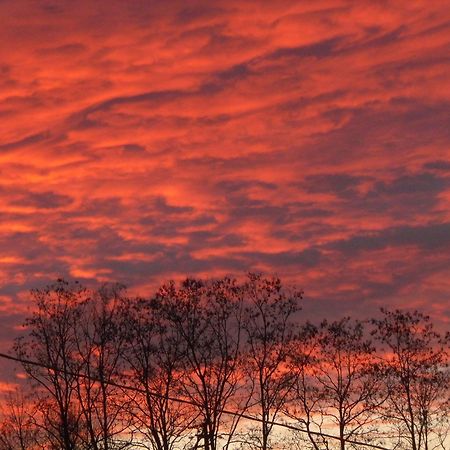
[[183, 401]]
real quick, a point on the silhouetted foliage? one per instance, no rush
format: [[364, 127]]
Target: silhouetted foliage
[[270, 327], [338, 382], [100, 343], [51, 342], [416, 378], [195, 365], [18, 430], [207, 317], [153, 357]]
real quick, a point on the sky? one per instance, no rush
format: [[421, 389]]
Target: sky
[[142, 141]]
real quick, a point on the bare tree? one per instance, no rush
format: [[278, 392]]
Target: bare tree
[[305, 397], [99, 345], [154, 353], [18, 430], [270, 328], [182, 368], [337, 384], [50, 341], [416, 377], [207, 316]]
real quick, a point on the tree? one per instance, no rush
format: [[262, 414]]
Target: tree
[[154, 353], [416, 378], [207, 316], [73, 339], [337, 384], [305, 396], [51, 342], [99, 347], [18, 430], [269, 329]]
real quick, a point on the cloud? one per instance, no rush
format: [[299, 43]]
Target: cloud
[[432, 237], [44, 200], [342, 185], [438, 165], [25, 142], [142, 141], [410, 185]]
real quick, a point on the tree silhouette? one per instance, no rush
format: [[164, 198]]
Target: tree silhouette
[[18, 430], [269, 328], [193, 365], [337, 384], [153, 356], [207, 316], [99, 345], [416, 378], [52, 343]]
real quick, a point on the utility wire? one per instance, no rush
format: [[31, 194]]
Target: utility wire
[[187, 402]]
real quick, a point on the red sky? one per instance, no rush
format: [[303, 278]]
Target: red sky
[[148, 140]]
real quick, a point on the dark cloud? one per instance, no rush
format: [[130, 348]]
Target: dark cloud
[[173, 260], [380, 40], [410, 185], [133, 149], [319, 50], [24, 142], [372, 127], [197, 13], [231, 186], [242, 208], [82, 118], [44, 200], [336, 184], [237, 72], [161, 205], [433, 237], [66, 50], [439, 165], [303, 259], [171, 227], [25, 243], [97, 207], [404, 196]]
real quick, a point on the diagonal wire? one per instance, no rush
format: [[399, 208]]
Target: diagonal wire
[[187, 402]]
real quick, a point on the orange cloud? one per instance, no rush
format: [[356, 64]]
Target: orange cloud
[[147, 140]]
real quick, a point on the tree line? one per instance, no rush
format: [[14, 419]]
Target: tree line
[[188, 367]]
